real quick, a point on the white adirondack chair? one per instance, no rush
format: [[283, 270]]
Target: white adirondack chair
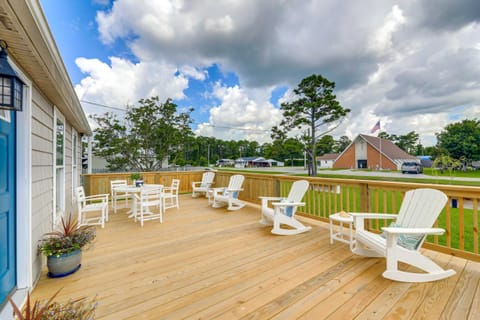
[[204, 185], [401, 241], [283, 211], [229, 195]]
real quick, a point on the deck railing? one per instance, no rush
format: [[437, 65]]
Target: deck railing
[[460, 217]]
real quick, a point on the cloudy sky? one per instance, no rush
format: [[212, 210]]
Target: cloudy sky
[[414, 65]]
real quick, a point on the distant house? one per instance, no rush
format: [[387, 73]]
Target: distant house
[[225, 162], [262, 162], [327, 160], [367, 152], [257, 162]]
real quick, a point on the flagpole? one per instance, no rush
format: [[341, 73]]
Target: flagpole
[[380, 153], [375, 128]]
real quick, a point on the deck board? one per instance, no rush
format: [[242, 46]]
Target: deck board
[[205, 263]]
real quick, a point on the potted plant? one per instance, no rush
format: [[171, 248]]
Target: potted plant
[[79, 309], [63, 248], [137, 179]]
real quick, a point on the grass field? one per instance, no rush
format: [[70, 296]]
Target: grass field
[[457, 173], [387, 203], [455, 233]]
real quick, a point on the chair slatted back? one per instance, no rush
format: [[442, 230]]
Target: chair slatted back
[[151, 196], [421, 207], [235, 182], [117, 183], [80, 192], [297, 191], [207, 178]]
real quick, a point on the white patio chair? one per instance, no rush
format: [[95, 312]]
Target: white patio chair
[[283, 211], [402, 240], [118, 195], [87, 205], [229, 196], [170, 195], [149, 204], [204, 185]]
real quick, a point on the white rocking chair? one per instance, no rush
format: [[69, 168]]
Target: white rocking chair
[[229, 195], [401, 241], [283, 212], [204, 185]]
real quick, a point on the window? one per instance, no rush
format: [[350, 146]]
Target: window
[[59, 183], [74, 161]]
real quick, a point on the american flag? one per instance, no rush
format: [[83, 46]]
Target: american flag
[[375, 127]]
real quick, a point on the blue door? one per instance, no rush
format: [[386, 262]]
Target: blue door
[[7, 204]]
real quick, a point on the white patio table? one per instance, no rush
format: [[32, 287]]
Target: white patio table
[[134, 190]]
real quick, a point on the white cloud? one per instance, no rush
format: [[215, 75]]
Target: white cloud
[[382, 38], [410, 64], [193, 72], [239, 117], [123, 82]]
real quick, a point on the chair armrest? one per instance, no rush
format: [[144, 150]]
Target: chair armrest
[[234, 190], [373, 215], [359, 218], [288, 204], [396, 230], [194, 184], [97, 197], [270, 198]]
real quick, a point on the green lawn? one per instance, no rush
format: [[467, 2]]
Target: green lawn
[[446, 173], [386, 202], [430, 180]]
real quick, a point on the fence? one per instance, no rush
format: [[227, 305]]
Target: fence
[[326, 196]]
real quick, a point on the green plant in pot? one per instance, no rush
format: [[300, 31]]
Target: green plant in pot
[[78, 309], [63, 248], [137, 179]]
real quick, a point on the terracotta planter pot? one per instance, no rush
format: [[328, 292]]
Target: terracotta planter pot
[[64, 265]]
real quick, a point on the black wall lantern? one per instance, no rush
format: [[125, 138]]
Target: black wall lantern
[[11, 86]]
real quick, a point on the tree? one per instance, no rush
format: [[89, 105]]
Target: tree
[[147, 135], [443, 162], [316, 111], [461, 139], [341, 144], [407, 142], [325, 145]]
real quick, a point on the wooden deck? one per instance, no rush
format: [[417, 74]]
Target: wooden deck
[[205, 263]]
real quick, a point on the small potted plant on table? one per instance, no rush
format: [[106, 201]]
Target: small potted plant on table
[[137, 179], [63, 248]]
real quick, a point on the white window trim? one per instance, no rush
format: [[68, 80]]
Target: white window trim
[[57, 215], [75, 137]]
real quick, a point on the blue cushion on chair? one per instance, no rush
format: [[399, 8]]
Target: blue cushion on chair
[[408, 241], [288, 210], [235, 194], [225, 192]]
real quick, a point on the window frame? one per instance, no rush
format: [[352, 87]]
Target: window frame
[[58, 170]]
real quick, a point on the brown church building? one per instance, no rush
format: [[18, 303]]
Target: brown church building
[[367, 152]]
